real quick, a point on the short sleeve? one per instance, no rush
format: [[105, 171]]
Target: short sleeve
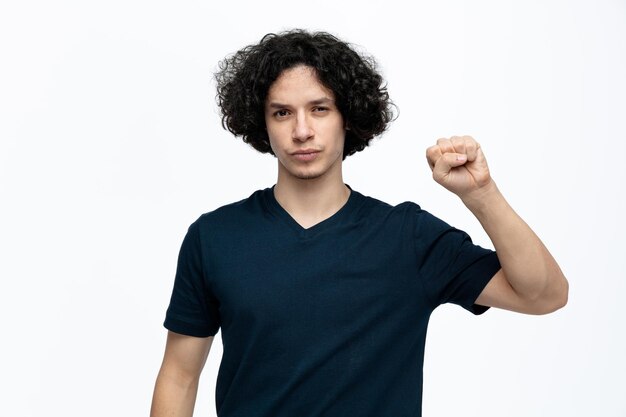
[[193, 310], [451, 267]]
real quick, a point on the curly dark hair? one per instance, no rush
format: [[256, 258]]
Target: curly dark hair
[[244, 78]]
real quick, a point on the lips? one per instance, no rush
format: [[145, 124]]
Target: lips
[[305, 151], [305, 155]]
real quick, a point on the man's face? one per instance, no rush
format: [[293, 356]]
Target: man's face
[[301, 115]]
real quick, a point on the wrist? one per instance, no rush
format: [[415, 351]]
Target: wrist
[[483, 198]]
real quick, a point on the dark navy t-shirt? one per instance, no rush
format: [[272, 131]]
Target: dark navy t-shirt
[[324, 321]]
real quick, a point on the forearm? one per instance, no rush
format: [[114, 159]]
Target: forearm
[[173, 396], [528, 266]]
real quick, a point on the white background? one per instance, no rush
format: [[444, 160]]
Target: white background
[[111, 145]]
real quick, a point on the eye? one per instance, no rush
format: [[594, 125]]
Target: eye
[[320, 109], [281, 113]]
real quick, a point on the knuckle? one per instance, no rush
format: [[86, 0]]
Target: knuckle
[[470, 141], [458, 143], [433, 151]]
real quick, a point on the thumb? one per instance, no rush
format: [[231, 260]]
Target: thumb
[[448, 161]]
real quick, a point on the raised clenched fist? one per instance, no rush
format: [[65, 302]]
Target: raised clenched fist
[[458, 164]]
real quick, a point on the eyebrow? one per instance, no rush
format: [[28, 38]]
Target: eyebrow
[[323, 100]]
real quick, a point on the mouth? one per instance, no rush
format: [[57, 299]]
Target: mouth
[[305, 155]]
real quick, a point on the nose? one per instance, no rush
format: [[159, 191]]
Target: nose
[[302, 129]]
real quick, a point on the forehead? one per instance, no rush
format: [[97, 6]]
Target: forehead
[[298, 83]]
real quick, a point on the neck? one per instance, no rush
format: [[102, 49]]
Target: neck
[[310, 201]]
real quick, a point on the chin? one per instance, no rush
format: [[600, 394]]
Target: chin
[[305, 171], [307, 175]]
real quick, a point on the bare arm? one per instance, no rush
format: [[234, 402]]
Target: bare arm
[[530, 280], [177, 383]]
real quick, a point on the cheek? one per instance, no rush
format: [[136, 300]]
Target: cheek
[[276, 131], [272, 134], [277, 141], [341, 136], [273, 145]]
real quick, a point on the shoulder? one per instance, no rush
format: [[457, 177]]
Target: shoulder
[[235, 213], [376, 210], [374, 204], [409, 213]]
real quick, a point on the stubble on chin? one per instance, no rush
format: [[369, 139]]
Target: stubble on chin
[[306, 174], [299, 173], [310, 176]]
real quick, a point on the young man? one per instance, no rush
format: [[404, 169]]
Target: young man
[[323, 294]]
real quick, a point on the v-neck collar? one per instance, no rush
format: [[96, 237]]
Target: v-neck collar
[[274, 206]]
